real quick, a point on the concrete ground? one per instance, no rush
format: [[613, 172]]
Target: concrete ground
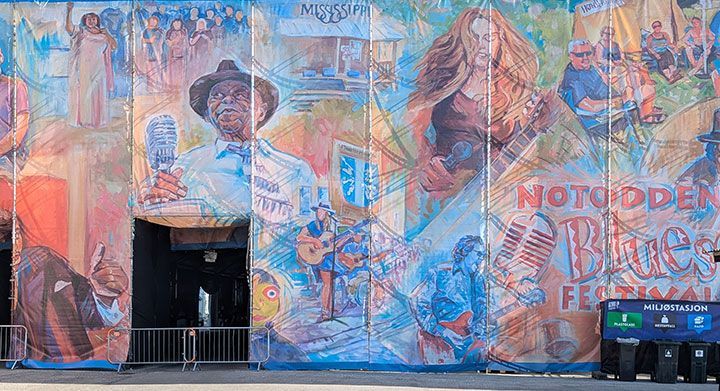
[[230, 378]]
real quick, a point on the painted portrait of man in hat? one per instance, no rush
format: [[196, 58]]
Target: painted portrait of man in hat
[[704, 170], [218, 173]]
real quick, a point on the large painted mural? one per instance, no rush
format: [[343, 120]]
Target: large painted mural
[[430, 185]]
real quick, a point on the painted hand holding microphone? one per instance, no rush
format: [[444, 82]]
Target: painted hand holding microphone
[[161, 141], [441, 172]]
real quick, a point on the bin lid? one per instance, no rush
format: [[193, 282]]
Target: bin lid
[[628, 341], [665, 342]]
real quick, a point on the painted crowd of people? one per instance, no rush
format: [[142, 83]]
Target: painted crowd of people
[[177, 39], [173, 41]]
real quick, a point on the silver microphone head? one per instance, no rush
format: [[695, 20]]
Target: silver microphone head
[[161, 142]]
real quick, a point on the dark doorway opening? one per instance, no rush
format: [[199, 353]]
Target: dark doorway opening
[[5, 286], [187, 288]]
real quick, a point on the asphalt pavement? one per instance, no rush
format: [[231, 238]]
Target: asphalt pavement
[[235, 378]]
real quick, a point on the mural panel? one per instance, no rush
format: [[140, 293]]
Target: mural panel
[[547, 213], [72, 248], [430, 120], [9, 132], [313, 179], [191, 161], [664, 213]]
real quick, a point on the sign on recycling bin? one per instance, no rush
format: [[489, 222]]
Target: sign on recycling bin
[[624, 320], [668, 353]]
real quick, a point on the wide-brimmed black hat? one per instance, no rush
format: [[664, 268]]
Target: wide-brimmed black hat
[[324, 206], [227, 70], [714, 135]]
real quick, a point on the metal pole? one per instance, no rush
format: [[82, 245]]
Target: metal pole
[[332, 272], [704, 35]]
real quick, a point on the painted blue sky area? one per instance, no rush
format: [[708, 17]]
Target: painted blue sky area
[[6, 43], [144, 3], [549, 3]]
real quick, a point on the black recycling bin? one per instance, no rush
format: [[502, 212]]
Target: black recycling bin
[[717, 356], [626, 365], [698, 362], [666, 366]]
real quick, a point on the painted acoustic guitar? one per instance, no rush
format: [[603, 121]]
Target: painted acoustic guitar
[[314, 256]]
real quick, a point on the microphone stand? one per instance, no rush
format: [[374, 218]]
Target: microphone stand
[[332, 274]]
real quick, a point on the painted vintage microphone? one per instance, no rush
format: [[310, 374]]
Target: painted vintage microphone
[[161, 139], [161, 142], [526, 249]]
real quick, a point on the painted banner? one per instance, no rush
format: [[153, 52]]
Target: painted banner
[[73, 240], [8, 129], [430, 185], [313, 181], [191, 154], [521, 175]]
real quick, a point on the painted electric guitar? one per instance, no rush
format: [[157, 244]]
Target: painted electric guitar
[[530, 299], [507, 157], [314, 256]]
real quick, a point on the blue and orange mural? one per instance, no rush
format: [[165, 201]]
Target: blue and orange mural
[[430, 185]]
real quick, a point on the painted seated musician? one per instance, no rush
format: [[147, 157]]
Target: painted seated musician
[[352, 265]]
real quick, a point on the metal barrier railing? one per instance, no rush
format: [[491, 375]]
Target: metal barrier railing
[[201, 345], [13, 343], [149, 346], [227, 345]]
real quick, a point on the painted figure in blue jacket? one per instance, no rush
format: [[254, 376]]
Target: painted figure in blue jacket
[[450, 307]]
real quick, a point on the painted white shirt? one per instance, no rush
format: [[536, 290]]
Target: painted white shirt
[[218, 179]]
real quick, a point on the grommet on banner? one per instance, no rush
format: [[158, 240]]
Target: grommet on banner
[[715, 254]]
